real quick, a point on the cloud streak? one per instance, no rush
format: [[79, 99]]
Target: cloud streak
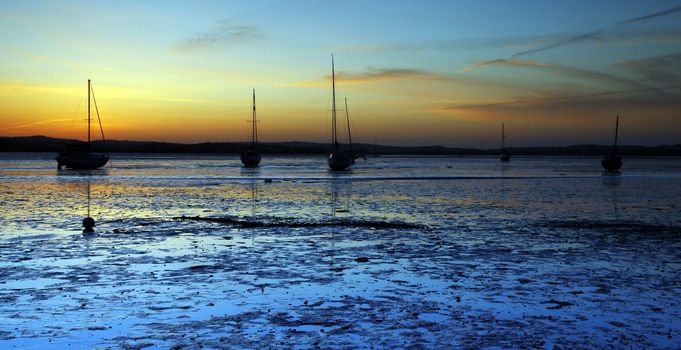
[[504, 62], [557, 70], [633, 98], [376, 75], [650, 16], [223, 33], [570, 40], [35, 124], [595, 34], [663, 71], [619, 35]]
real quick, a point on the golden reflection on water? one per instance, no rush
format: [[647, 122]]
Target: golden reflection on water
[[43, 202]]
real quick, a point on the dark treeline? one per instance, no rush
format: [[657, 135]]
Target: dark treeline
[[47, 144]]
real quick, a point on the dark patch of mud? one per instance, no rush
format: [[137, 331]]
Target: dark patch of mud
[[279, 222], [4, 335], [620, 226]]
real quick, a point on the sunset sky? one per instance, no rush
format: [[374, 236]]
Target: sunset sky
[[414, 72]]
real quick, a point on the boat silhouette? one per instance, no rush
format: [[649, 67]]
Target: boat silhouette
[[339, 159], [612, 162], [505, 155], [80, 156], [250, 156]]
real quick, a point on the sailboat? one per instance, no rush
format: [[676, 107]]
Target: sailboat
[[339, 159], [611, 162], [81, 157], [505, 155], [250, 157]]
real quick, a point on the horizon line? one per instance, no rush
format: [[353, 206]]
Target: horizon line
[[356, 143]]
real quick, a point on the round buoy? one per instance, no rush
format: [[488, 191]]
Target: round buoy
[[88, 224]]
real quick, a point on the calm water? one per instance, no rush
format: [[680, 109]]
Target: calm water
[[460, 252]]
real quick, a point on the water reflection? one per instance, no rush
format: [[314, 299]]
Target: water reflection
[[611, 174], [73, 172], [612, 183], [331, 251], [250, 172], [68, 190], [254, 198], [88, 222], [340, 198], [504, 166], [611, 180]]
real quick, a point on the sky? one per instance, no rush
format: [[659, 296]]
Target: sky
[[413, 72]]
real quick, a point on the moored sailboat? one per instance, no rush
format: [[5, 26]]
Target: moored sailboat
[[612, 162], [250, 156], [505, 155], [339, 159], [81, 157]]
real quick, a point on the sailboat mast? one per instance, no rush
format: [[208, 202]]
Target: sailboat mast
[[88, 113], [333, 105], [254, 132], [617, 126], [503, 137], [347, 117]]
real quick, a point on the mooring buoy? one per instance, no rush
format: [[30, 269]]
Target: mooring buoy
[[88, 224]]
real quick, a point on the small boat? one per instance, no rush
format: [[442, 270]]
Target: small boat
[[250, 157], [80, 156], [339, 159], [612, 162], [505, 155]]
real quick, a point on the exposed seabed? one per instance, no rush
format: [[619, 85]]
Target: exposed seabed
[[449, 263]]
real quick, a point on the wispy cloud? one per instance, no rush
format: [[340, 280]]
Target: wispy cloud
[[23, 126], [50, 89], [504, 62], [660, 71], [222, 33], [375, 75], [620, 99], [567, 41], [620, 35], [663, 71], [112, 93], [596, 33], [652, 15], [50, 59], [557, 70]]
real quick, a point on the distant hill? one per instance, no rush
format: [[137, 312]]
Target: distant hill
[[48, 144]]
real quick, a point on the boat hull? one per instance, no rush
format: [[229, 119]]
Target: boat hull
[[250, 158], [81, 161], [611, 163], [340, 161], [505, 156]]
